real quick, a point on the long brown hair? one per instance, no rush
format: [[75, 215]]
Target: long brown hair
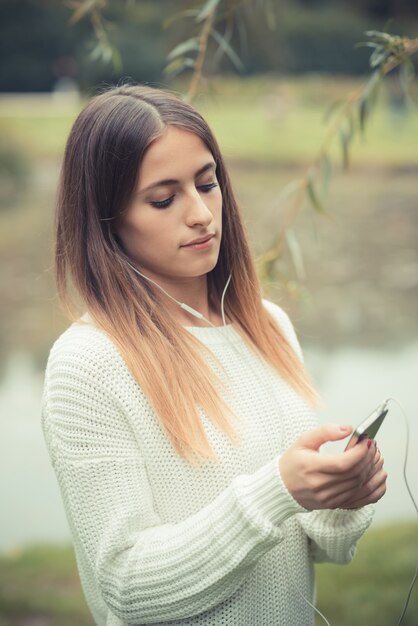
[[103, 155]]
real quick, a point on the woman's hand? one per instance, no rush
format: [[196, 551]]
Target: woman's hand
[[347, 480]]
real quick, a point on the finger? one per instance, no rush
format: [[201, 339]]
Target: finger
[[371, 499], [352, 492], [374, 481], [371, 459], [351, 462], [314, 439], [378, 464], [333, 491], [370, 493], [332, 496], [369, 472]]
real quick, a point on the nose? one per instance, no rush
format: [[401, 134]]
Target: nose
[[197, 212]]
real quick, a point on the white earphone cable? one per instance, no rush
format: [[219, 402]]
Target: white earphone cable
[[183, 305], [414, 579]]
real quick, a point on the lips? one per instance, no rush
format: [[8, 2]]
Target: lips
[[199, 240]]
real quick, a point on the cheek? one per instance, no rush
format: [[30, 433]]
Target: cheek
[[216, 203], [149, 238], [131, 235]]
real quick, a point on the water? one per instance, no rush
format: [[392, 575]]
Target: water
[[31, 509], [352, 382]]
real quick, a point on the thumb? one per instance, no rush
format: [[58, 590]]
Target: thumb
[[313, 439]]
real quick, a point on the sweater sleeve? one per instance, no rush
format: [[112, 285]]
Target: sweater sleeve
[[147, 571], [333, 534]]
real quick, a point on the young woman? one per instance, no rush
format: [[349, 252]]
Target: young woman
[[177, 411]]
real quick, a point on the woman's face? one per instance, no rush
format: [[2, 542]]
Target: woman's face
[[177, 201]]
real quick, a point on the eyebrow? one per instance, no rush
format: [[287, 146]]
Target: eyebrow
[[172, 181]]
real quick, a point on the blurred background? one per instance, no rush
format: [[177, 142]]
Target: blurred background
[[355, 311]]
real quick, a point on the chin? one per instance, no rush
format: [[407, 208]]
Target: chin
[[211, 266]]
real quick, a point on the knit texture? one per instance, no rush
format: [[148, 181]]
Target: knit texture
[[158, 541]]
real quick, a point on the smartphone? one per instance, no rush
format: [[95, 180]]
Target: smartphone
[[369, 427]]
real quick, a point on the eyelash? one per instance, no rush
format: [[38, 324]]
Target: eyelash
[[162, 204]]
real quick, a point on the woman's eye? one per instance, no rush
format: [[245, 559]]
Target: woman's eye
[[208, 187], [162, 204]]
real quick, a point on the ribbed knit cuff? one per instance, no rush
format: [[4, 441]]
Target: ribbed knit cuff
[[265, 495], [348, 519]]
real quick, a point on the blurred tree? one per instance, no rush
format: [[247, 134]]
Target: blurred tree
[[38, 46], [382, 8], [387, 8], [133, 43], [33, 35], [210, 32], [217, 20]]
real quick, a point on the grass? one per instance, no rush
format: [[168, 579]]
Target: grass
[[262, 119], [40, 585], [282, 121], [37, 125], [372, 589]]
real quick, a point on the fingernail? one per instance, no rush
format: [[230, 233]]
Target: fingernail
[[369, 443]]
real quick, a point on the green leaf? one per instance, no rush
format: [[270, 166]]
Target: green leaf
[[168, 21], [313, 197], [207, 8], [183, 47], [290, 188], [363, 112], [117, 60], [178, 65], [406, 76], [344, 141], [351, 125], [326, 174], [287, 191], [101, 52], [378, 57], [84, 7], [366, 44], [368, 98], [331, 109], [296, 253], [377, 34], [372, 87], [228, 50]]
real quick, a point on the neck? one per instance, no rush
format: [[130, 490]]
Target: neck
[[191, 293], [194, 294]]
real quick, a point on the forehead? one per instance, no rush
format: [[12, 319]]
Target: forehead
[[176, 153]]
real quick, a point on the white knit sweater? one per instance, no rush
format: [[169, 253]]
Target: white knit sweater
[[160, 542]]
